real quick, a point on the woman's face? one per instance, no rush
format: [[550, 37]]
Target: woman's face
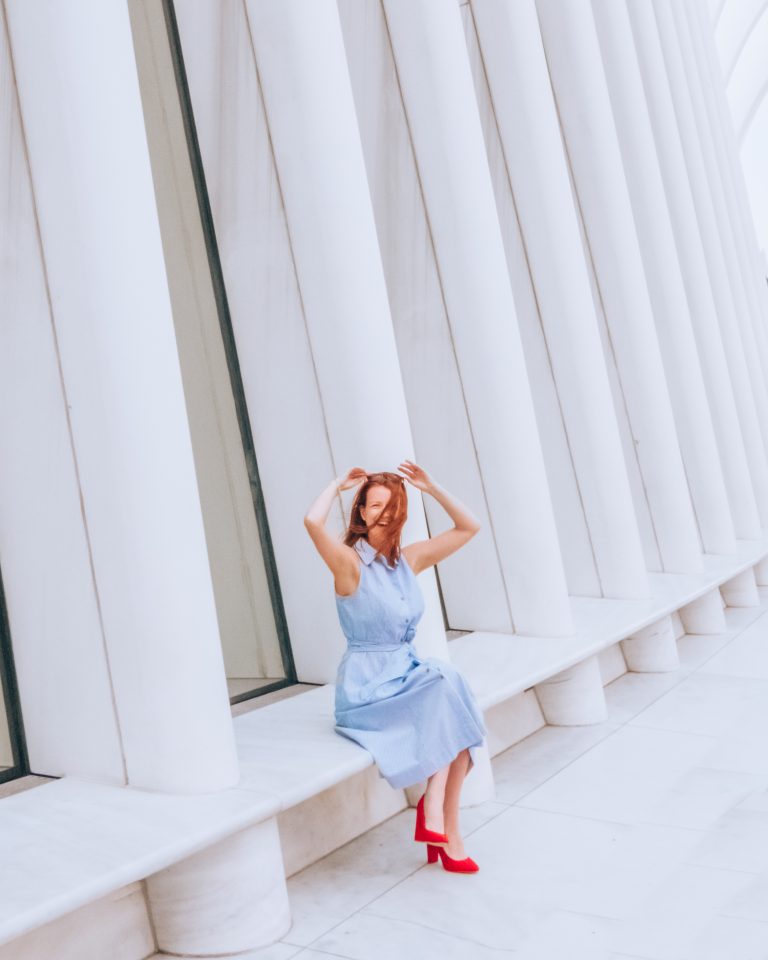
[[374, 512]]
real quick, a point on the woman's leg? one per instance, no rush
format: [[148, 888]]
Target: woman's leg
[[434, 800], [454, 782]]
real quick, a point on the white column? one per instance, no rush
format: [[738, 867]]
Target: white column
[[436, 83], [729, 239], [95, 202], [695, 273], [312, 124], [520, 88], [733, 175], [663, 273], [70, 720], [581, 94], [713, 250]]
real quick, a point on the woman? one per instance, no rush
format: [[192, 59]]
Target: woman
[[417, 717]]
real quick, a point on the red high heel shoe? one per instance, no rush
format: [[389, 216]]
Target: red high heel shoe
[[421, 834], [467, 865]]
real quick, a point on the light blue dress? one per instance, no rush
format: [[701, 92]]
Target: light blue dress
[[413, 715]]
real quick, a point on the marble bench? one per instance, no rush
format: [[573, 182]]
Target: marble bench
[[638, 635], [213, 863]]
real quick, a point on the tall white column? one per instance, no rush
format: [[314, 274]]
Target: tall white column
[[436, 83], [721, 122], [732, 149], [695, 273], [520, 88], [729, 239], [312, 124], [58, 646], [665, 283], [573, 54], [95, 203], [714, 255]]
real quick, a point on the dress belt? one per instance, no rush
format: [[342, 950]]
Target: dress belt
[[376, 647]]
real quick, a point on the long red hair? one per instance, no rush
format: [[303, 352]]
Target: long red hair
[[396, 508]]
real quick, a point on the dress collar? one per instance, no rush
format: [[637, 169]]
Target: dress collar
[[366, 551], [369, 553]]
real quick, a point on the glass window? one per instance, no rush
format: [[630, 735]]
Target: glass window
[[13, 754], [251, 618]]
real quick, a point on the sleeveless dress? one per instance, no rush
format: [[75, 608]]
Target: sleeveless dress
[[413, 715]]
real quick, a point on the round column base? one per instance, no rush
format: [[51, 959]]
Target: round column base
[[741, 590], [705, 614], [224, 900], [761, 572], [477, 788], [652, 649], [414, 792], [574, 696], [479, 785]]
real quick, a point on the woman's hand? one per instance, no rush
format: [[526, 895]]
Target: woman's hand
[[354, 478], [416, 475]]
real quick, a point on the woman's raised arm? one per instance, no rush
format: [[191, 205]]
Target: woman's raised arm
[[426, 553], [341, 559]]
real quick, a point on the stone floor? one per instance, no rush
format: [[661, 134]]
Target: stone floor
[[642, 837]]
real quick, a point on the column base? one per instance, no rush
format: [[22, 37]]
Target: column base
[[225, 900], [414, 792], [477, 788], [574, 696], [705, 614], [479, 785], [741, 590], [761, 572], [652, 649]]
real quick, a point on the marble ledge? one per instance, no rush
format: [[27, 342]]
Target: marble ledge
[[69, 842], [294, 742], [499, 666]]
